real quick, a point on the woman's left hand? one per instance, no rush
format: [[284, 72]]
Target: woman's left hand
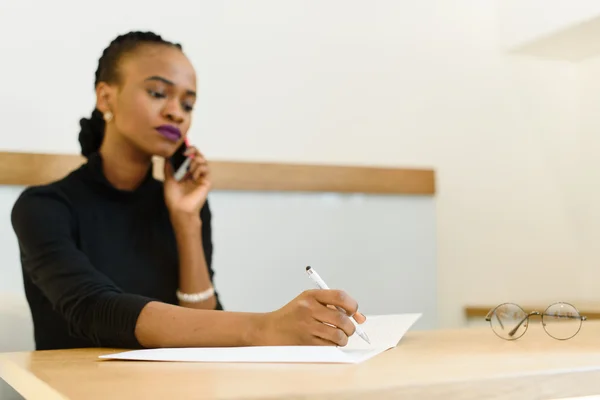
[[186, 197]]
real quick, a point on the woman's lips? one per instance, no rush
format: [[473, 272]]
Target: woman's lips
[[170, 132]]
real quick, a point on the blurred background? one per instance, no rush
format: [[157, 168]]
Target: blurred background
[[498, 98]]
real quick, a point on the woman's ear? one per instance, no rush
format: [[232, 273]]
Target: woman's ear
[[104, 94]]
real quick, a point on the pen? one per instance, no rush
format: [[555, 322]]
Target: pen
[[312, 274]]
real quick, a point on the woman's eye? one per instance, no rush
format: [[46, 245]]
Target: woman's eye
[[156, 94], [188, 107]]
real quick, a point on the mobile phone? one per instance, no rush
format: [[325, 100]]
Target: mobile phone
[[180, 162]]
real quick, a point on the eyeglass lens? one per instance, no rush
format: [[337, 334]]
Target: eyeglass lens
[[561, 321], [509, 321]]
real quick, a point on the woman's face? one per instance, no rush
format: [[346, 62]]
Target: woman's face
[[152, 104]]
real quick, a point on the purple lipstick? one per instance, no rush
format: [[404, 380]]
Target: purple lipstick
[[170, 132]]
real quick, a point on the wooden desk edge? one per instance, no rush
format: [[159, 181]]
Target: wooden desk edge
[[554, 382], [557, 384], [25, 383]]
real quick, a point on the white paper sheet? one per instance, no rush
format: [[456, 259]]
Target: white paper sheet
[[384, 331]]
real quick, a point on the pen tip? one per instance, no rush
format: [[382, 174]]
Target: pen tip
[[365, 337], [308, 268]]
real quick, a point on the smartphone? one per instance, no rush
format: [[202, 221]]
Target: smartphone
[[180, 162]]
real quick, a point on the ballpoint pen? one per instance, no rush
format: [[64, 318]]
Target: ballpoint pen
[[312, 274]]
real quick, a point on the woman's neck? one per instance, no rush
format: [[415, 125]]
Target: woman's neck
[[124, 166]]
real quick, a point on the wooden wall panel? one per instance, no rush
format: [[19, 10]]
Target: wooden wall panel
[[591, 310], [36, 168]]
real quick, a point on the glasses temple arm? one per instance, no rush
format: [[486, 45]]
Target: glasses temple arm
[[488, 317], [581, 317], [514, 330]]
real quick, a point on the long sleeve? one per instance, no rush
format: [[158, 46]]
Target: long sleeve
[[206, 217], [93, 306]]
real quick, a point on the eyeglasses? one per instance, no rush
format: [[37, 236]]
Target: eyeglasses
[[560, 320]]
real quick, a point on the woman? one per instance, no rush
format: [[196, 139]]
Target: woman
[[112, 257]]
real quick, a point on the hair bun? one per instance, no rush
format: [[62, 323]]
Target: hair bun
[[91, 133]]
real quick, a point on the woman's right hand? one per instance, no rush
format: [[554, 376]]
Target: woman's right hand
[[303, 321]]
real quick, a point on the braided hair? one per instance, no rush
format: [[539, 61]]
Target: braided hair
[[92, 129]]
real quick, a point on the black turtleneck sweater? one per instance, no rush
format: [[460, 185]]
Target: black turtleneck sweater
[[93, 256]]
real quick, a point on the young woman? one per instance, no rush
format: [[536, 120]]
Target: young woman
[[113, 257]]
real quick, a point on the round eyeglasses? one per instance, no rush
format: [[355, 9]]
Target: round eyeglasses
[[560, 320]]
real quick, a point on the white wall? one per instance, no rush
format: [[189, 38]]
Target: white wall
[[587, 190], [524, 21], [403, 83]]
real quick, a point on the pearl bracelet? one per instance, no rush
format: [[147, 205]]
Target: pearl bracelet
[[196, 297]]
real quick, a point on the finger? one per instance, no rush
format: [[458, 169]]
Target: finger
[[337, 298], [198, 161], [197, 174], [191, 151], [197, 164], [359, 317], [194, 153], [198, 171], [194, 166], [317, 341], [334, 317], [205, 170], [330, 333]]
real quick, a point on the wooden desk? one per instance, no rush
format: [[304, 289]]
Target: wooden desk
[[458, 364]]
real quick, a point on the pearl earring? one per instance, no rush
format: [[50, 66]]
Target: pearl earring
[[108, 116]]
